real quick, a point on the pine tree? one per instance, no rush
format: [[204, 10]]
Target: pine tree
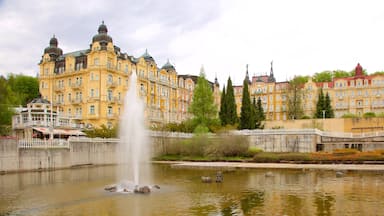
[[320, 105], [245, 114], [223, 108], [328, 107], [231, 104]]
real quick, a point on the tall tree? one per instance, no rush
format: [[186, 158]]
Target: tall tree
[[320, 105], [223, 108], [295, 94], [328, 107], [203, 107], [253, 114], [260, 116], [231, 104], [245, 115]]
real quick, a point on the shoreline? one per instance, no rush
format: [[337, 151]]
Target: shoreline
[[355, 167]]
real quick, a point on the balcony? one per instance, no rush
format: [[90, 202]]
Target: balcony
[[112, 116], [76, 86], [77, 101], [58, 103], [111, 84], [112, 100], [59, 88], [152, 78], [92, 99]]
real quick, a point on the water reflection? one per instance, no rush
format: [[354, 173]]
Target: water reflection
[[243, 192]]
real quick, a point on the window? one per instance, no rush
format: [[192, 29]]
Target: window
[[110, 78], [96, 61], [110, 111], [119, 80], [109, 63], [126, 68], [109, 94], [92, 109], [92, 93], [69, 97]]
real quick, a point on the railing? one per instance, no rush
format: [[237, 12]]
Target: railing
[[39, 143], [46, 124], [308, 131]]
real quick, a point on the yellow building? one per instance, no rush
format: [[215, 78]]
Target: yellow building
[[89, 85], [356, 95]]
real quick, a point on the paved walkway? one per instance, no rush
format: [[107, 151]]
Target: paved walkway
[[366, 167]]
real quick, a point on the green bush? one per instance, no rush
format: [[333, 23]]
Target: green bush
[[369, 115], [349, 115]]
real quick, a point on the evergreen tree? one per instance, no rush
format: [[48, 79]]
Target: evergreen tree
[[203, 107], [320, 105], [231, 104], [245, 114], [223, 108], [253, 122], [260, 116], [328, 107], [6, 112]]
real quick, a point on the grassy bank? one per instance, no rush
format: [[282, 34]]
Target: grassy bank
[[338, 156]]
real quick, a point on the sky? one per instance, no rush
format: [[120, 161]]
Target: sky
[[301, 37]]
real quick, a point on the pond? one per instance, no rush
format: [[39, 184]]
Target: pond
[[243, 192]]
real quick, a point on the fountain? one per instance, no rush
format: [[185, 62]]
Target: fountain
[[132, 151]]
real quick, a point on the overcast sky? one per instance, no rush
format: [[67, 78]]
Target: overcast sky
[[301, 37]]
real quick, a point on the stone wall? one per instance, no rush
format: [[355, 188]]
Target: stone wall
[[9, 155]]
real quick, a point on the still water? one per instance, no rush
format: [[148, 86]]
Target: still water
[[243, 192]]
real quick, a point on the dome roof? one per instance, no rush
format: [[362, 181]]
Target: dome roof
[[53, 42], [146, 56], [102, 35], [53, 47], [168, 66]]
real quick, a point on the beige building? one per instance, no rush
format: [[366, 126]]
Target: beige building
[[89, 85], [351, 95]]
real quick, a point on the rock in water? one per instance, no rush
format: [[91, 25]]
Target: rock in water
[[111, 188], [219, 177], [206, 179], [143, 190]]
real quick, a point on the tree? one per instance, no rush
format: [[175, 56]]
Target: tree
[[24, 87], [260, 116], [320, 105], [231, 104], [253, 114], [223, 108], [203, 107], [325, 76], [245, 115], [295, 94], [342, 74], [5, 106], [328, 107]]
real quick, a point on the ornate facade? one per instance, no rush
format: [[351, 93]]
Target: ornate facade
[[89, 85], [356, 95]]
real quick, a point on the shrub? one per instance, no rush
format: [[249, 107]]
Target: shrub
[[348, 115], [369, 115], [343, 152]]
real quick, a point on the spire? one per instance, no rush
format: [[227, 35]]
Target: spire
[[271, 77], [216, 81], [247, 75]]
